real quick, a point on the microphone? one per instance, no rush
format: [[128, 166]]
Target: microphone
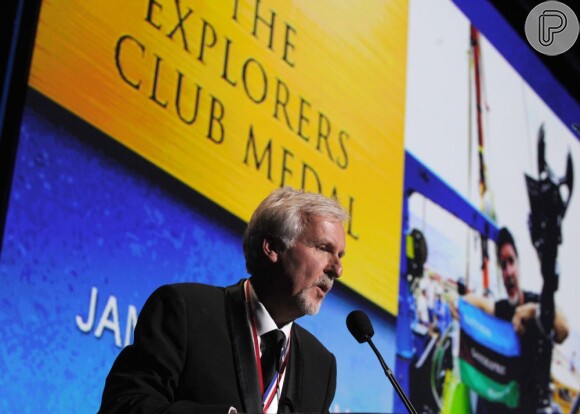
[[359, 325]]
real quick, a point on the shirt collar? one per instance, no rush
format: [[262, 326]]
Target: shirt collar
[[264, 322]]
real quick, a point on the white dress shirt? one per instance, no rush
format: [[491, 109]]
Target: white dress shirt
[[264, 324]]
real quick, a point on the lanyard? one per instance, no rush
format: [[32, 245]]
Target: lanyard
[[270, 392]]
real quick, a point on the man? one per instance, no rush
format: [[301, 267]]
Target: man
[[199, 348], [536, 321]]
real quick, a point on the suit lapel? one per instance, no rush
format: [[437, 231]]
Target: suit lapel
[[293, 382], [243, 348]]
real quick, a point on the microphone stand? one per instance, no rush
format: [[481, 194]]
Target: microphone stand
[[392, 378]]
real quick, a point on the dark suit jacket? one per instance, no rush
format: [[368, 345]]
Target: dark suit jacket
[[193, 352]]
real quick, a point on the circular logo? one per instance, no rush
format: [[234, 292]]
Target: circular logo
[[552, 28]]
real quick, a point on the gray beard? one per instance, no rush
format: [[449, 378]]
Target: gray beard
[[306, 304]]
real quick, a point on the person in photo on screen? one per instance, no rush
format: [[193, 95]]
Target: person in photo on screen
[[200, 348], [538, 323], [422, 306]]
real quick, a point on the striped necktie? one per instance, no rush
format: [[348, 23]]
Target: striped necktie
[[271, 347]]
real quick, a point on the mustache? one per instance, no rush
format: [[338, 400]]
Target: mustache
[[510, 282], [325, 282]]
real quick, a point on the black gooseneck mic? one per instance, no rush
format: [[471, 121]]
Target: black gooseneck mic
[[359, 325]]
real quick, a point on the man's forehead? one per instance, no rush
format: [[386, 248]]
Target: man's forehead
[[507, 250]]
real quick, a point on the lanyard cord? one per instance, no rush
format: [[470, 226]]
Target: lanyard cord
[[267, 396]]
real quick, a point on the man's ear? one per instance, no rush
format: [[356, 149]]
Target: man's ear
[[272, 248]]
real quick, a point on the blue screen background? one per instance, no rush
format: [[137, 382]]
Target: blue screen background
[[87, 217]]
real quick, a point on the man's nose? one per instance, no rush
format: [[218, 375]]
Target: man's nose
[[335, 267]]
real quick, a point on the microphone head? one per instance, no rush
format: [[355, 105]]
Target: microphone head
[[359, 325]]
